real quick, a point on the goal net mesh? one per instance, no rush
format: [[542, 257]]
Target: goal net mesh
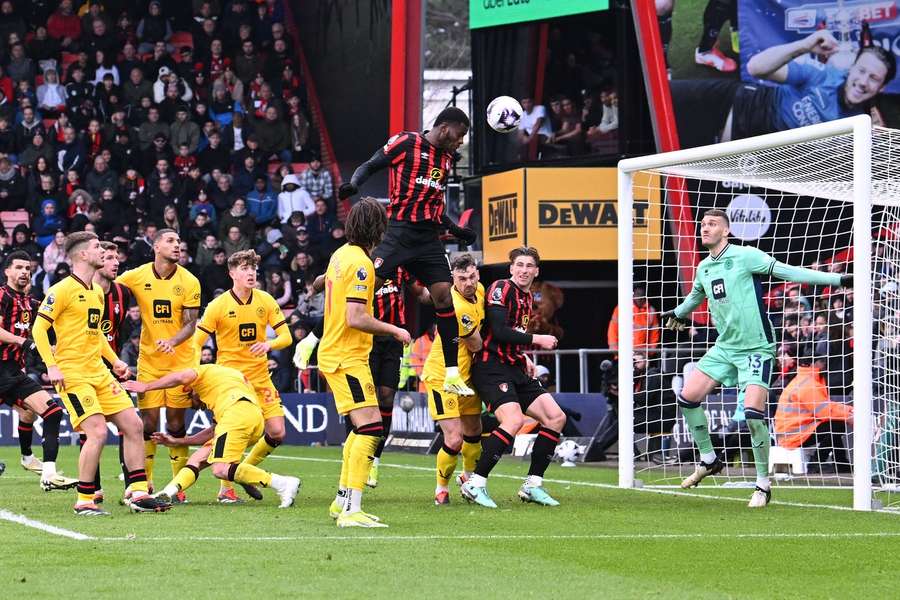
[[794, 202]]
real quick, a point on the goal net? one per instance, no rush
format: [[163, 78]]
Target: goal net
[[821, 197]]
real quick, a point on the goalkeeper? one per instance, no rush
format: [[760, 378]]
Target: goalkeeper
[[730, 278]]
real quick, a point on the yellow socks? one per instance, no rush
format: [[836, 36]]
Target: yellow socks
[[362, 453], [178, 457], [447, 459], [250, 475], [261, 449], [149, 457], [471, 452], [185, 478], [345, 462]]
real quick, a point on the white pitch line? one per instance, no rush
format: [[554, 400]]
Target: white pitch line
[[23, 520], [590, 537], [608, 486]]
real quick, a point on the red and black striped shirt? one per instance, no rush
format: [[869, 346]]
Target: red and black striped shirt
[[17, 310], [418, 178], [518, 306], [115, 306], [388, 301]]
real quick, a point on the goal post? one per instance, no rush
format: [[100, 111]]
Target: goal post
[[805, 196]]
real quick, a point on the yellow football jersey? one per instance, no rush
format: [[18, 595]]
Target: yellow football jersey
[[350, 278], [469, 316], [220, 387], [75, 310], [237, 326], [162, 302]]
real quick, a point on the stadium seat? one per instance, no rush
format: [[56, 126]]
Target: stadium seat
[[299, 167], [182, 38], [48, 123], [787, 456], [11, 218]]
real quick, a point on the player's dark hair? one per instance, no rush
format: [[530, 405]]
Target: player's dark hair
[[76, 239], [525, 251], [886, 57], [463, 262], [244, 257], [109, 246], [366, 223], [17, 255], [451, 115], [715, 212], [161, 232]]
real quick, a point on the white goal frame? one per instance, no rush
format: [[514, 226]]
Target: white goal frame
[[860, 127]]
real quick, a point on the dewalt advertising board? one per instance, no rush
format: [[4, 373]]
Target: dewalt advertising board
[[569, 214]]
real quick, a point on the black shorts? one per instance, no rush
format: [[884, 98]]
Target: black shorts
[[384, 361], [498, 384], [417, 248], [15, 385]]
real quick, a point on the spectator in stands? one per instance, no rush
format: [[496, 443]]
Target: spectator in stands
[[534, 126], [36, 149], [214, 156], [131, 348], [64, 26], [22, 240], [645, 317], [101, 177], [299, 137], [20, 66], [12, 186], [807, 417], [262, 203], [301, 269], [237, 217], [153, 28], [317, 181], [319, 224], [215, 276], [136, 87], [200, 228], [279, 286], [184, 131], [206, 250], [294, 198], [51, 95], [48, 223], [245, 176], [235, 241], [274, 139], [152, 127], [55, 252]]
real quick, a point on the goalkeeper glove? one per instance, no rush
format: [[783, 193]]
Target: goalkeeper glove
[[463, 234], [346, 190], [673, 321], [847, 280]]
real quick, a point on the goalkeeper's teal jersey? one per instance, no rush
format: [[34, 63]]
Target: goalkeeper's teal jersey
[[732, 282]]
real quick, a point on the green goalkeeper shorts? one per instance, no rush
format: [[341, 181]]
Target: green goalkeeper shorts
[[738, 368]]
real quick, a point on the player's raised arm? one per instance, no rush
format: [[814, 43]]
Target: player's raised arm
[[189, 318], [380, 160], [763, 264], [358, 317]]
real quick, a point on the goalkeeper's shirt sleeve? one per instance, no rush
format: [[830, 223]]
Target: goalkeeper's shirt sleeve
[[761, 263], [693, 300], [803, 275]]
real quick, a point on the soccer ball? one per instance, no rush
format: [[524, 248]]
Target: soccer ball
[[568, 451], [407, 403], [504, 114]]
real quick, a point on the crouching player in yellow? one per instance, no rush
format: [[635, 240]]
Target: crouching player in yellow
[[238, 319], [459, 417], [239, 423], [74, 308], [344, 355]]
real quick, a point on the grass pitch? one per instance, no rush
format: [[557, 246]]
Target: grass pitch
[[602, 542]]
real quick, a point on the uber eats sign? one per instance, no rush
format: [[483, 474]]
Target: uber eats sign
[[568, 214], [488, 13]]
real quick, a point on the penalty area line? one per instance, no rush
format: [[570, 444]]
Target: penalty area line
[[594, 484], [12, 517]]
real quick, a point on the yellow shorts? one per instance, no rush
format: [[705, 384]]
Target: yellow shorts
[[352, 388], [444, 405], [269, 398], [99, 395], [171, 398], [240, 427]]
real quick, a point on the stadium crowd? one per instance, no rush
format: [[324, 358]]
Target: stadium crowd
[[124, 118]]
